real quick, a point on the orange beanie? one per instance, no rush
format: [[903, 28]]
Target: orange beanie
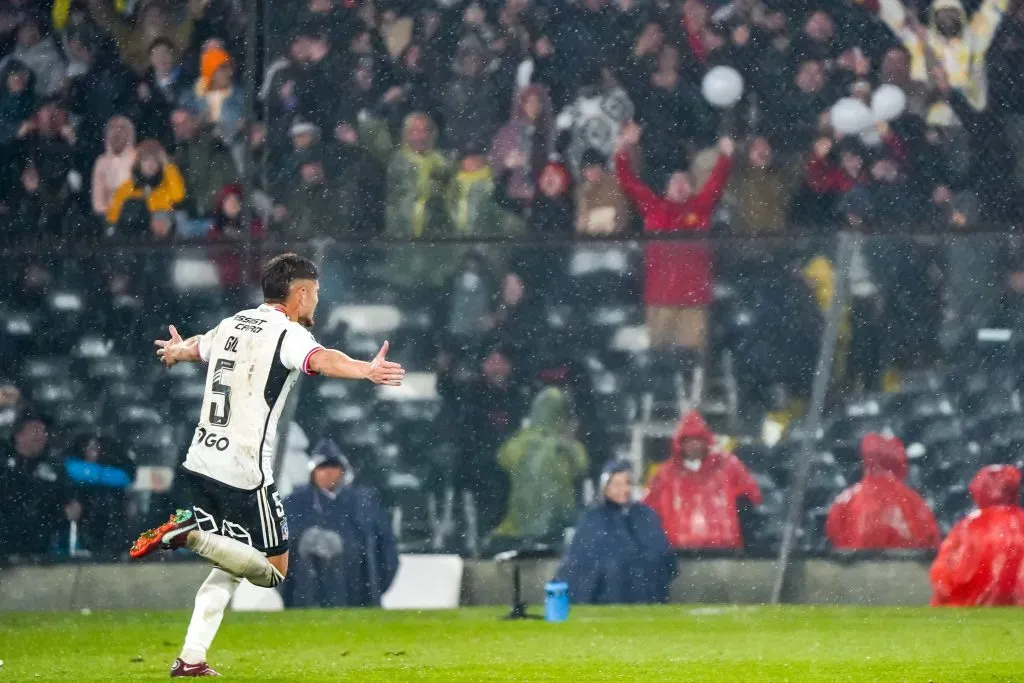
[[212, 59]]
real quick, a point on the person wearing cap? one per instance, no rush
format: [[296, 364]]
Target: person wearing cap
[[979, 561], [880, 512], [619, 552], [343, 551]]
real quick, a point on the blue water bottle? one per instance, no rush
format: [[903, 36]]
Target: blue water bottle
[[556, 601]]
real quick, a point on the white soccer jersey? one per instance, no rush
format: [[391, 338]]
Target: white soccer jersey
[[254, 360]]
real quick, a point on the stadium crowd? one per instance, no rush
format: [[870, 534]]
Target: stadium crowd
[[127, 120], [131, 119]]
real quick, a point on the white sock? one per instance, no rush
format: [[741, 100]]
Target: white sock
[[235, 558], [211, 601]]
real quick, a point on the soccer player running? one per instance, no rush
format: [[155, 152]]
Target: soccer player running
[[237, 521]]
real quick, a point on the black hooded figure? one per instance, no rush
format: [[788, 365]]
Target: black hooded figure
[[619, 553], [342, 548]]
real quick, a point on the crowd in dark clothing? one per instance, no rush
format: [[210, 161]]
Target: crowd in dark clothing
[[512, 94], [495, 118], [64, 504]]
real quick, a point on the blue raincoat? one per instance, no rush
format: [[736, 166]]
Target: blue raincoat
[[619, 554], [342, 550]]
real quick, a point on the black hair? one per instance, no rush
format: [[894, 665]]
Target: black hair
[[165, 42], [281, 271], [29, 415]]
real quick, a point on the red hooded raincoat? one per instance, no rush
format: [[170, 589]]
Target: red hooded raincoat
[[881, 512], [697, 503], [979, 561]]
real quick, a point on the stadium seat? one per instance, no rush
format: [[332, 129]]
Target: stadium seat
[[364, 319], [996, 402], [92, 346], [109, 369], [187, 390], [871, 404], [43, 368], [332, 391], [929, 405], [827, 480], [953, 505], [934, 429], [417, 386], [20, 332], [55, 391], [346, 413], [812, 536], [72, 418], [154, 445], [135, 416], [121, 393], [190, 273]]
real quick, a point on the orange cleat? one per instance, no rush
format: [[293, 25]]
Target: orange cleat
[[168, 536]]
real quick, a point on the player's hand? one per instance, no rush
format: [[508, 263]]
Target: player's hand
[[167, 348], [383, 371], [727, 146]]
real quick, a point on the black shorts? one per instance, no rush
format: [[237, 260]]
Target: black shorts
[[252, 517]]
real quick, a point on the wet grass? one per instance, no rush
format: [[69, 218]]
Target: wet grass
[[672, 643]]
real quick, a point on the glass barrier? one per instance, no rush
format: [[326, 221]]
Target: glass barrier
[[484, 329], [929, 354]]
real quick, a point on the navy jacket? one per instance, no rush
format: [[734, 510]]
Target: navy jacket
[[618, 555], [363, 557]]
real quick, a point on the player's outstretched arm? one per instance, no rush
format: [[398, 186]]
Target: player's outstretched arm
[[333, 363], [176, 349]]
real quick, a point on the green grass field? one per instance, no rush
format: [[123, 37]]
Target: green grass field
[[673, 643]]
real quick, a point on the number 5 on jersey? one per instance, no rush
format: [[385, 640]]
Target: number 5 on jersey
[[220, 392]]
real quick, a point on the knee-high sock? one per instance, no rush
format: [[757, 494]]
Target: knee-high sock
[[235, 558], [211, 601]]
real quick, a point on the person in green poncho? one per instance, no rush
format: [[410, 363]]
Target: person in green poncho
[[544, 462]]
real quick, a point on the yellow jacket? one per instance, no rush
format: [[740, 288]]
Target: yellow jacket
[[963, 56], [164, 197]]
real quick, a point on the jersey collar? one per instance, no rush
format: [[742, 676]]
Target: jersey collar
[[274, 307]]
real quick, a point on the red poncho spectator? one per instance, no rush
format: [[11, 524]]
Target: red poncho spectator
[[696, 492], [677, 277], [979, 561], [880, 512]]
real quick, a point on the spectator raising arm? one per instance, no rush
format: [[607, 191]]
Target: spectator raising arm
[[641, 195]]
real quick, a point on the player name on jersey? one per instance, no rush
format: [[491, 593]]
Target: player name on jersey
[[254, 358]]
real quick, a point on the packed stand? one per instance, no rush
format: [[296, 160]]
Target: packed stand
[[476, 118]]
